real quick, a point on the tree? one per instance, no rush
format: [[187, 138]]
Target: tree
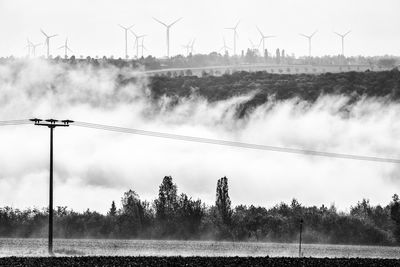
[[132, 216], [190, 214], [395, 215], [223, 202], [166, 206], [113, 210]]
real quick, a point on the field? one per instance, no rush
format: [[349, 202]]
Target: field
[[194, 261], [172, 248]]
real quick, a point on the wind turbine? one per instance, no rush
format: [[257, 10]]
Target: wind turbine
[[225, 48], [254, 46], [126, 38], [29, 45], [142, 46], [48, 41], [309, 41], [187, 47], [33, 46], [342, 36], [137, 37], [235, 35], [66, 48], [191, 46], [167, 27], [263, 37]]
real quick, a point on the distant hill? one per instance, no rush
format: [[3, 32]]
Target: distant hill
[[276, 87]]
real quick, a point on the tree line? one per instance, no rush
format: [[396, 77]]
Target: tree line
[[250, 56], [178, 216]]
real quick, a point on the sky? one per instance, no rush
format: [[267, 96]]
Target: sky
[[91, 26]]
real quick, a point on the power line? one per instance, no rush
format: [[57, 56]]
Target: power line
[[14, 122], [233, 143], [217, 141]]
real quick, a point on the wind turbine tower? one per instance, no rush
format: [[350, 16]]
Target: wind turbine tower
[[48, 41], [66, 48], [235, 36], [126, 38], [263, 37], [309, 37], [342, 36], [167, 28], [142, 45]]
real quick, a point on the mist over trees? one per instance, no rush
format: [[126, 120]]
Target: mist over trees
[[249, 56], [178, 216]]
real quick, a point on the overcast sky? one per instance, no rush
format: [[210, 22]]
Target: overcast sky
[[91, 26]]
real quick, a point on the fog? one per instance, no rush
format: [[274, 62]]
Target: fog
[[94, 167]]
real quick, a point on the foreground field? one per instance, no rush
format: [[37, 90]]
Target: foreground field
[[193, 261], [173, 248]]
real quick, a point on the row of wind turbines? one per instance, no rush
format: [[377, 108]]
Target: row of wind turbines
[[264, 37], [32, 46], [139, 41]]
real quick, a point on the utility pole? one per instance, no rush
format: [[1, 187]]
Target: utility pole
[[301, 229], [51, 124]]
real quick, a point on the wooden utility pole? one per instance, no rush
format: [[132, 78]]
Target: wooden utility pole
[[51, 124]]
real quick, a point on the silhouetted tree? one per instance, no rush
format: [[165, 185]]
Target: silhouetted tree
[[113, 210], [223, 202], [395, 215], [166, 206]]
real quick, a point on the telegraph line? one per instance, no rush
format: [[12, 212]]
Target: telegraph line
[[14, 122], [234, 144], [218, 141]]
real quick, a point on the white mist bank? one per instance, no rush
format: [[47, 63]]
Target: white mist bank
[[94, 167]]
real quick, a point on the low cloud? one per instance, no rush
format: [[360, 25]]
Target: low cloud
[[94, 167]]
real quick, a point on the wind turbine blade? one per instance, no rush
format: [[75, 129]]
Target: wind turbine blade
[[270, 36], [131, 26], [237, 24], [262, 35], [314, 33], [61, 47], [54, 35], [346, 33], [122, 26], [304, 35], [338, 34], [174, 22], [261, 39], [44, 33], [70, 50], [160, 22], [133, 33]]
